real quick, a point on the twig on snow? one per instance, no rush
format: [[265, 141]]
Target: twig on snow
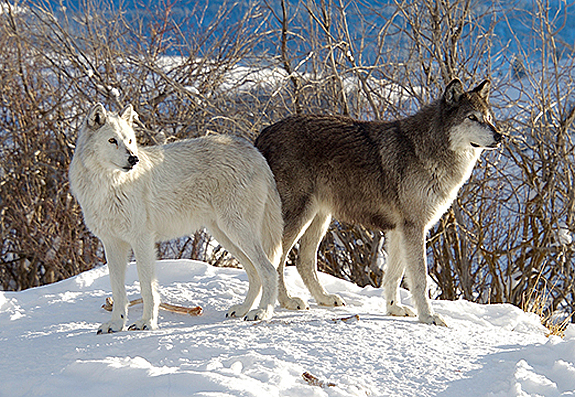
[[313, 381], [192, 311]]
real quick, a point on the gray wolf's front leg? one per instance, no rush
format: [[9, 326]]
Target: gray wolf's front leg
[[416, 267]]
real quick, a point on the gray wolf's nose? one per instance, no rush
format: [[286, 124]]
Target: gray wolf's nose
[[498, 137]]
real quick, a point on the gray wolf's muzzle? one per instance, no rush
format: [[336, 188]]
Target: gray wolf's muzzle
[[497, 137]]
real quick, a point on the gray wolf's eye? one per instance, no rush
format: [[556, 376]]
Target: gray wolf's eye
[[113, 141], [472, 117]]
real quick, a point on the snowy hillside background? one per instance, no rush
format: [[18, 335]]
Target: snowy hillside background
[[50, 347]]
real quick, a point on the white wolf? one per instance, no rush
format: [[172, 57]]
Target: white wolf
[[134, 196]]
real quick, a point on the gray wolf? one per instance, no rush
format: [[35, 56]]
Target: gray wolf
[[134, 196], [398, 177]]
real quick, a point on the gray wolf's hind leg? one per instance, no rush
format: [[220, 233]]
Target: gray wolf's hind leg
[[294, 227], [307, 264]]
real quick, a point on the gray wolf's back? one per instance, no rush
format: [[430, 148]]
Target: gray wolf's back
[[338, 160]]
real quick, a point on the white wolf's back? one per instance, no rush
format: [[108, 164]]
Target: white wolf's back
[[214, 175]]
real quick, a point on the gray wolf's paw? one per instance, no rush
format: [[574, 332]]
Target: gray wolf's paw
[[331, 300], [400, 311], [111, 327], [143, 325], [434, 319], [259, 314], [237, 311], [294, 304]]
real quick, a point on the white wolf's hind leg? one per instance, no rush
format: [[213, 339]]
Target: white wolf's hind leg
[[393, 275], [247, 238], [255, 285], [116, 256], [269, 281], [307, 266]]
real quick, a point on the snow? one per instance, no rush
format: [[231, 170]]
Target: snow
[[49, 345]]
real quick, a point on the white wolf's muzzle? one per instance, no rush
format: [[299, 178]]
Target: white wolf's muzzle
[[132, 161]]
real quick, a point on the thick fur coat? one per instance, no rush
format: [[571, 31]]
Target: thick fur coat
[[134, 196], [398, 177]]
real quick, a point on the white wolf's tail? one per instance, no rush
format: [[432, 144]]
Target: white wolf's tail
[[273, 226]]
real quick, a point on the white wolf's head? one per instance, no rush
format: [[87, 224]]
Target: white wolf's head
[[468, 117], [109, 139]]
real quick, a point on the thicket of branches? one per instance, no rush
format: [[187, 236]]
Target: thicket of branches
[[191, 71]]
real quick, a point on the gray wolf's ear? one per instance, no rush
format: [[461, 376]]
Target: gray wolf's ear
[[128, 114], [483, 89], [96, 116], [453, 92]]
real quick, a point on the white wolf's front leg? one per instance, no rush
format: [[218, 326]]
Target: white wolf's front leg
[[116, 256], [146, 262]]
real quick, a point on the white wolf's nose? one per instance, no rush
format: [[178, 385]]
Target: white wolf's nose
[[133, 160]]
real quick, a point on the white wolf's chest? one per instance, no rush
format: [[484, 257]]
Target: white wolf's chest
[[115, 210]]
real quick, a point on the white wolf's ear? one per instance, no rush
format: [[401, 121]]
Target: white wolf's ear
[[97, 116], [483, 89], [453, 92], [128, 114]]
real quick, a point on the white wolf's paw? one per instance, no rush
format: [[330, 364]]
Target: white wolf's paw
[[434, 319], [259, 314], [143, 325], [331, 300], [294, 304], [237, 311], [400, 311], [111, 327]]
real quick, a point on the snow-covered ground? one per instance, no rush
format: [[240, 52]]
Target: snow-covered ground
[[49, 346]]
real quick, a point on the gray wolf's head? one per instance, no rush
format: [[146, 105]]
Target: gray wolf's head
[[109, 139], [468, 117]]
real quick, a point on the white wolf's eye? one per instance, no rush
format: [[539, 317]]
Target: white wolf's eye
[[113, 141]]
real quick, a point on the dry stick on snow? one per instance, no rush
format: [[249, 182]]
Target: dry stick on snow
[[313, 381], [349, 319], [192, 311]]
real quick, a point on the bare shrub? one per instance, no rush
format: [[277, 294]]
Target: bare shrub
[[55, 65], [510, 231]]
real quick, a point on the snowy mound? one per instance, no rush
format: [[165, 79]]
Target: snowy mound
[[49, 345]]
